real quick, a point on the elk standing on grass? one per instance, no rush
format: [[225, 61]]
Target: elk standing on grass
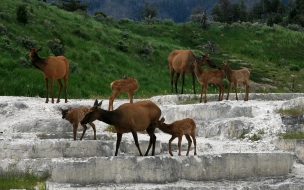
[[236, 76], [74, 116], [180, 61], [205, 77], [52, 68], [129, 85], [178, 129], [128, 118]]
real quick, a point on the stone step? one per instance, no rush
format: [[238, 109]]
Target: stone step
[[154, 169], [51, 148]]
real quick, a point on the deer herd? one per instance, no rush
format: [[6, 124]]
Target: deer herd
[[142, 115]]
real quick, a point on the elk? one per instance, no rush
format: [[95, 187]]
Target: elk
[[52, 67], [236, 76], [126, 84], [205, 77], [180, 61], [178, 129], [74, 116], [128, 117]]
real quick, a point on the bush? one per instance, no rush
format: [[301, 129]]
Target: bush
[[81, 34], [56, 47], [2, 29], [122, 46], [27, 41], [21, 13], [294, 68], [73, 66], [146, 50], [168, 22], [124, 21], [25, 63]]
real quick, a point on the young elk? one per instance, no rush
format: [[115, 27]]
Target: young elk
[[74, 116], [129, 85], [205, 77], [236, 76], [54, 68], [129, 117], [178, 129]]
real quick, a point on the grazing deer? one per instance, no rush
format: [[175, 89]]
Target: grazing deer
[[126, 84], [205, 77], [178, 129], [128, 118], [180, 61], [74, 116], [52, 68], [236, 76]]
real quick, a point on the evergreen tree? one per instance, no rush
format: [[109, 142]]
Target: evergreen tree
[[73, 5], [22, 14], [151, 10]]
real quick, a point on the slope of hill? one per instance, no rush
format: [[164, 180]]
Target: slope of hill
[[103, 50]]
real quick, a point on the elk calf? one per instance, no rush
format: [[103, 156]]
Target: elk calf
[[205, 77], [236, 76], [129, 85], [74, 116], [178, 129]]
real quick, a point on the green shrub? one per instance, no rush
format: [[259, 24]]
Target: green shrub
[[168, 22], [2, 29], [125, 21], [21, 13], [293, 135], [122, 47], [255, 137], [81, 34], [294, 68], [56, 47], [27, 41], [73, 66], [25, 63]]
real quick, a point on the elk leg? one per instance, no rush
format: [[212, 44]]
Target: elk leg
[[171, 78], [136, 141], [193, 82], [201, 94], [94, 129], [175, 81], [47, 89], [229, 86], [170, 149], [66, 88], [189, 143], [235, 90], [131, 96], [205, 91], [83, 131], [111, 100], [119, 135], [60, 88], [75, 127], [183, 82], [179, 145], [52, 89], [150, 131]]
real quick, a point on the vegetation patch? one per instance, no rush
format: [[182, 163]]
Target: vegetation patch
[[296, 111], [294, 135]]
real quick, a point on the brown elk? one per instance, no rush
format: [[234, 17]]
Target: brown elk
[[126, 84], [178, 129], [180, 61], [52, 67], [126, 118], [74, 116], [205, 77], [236, 76]]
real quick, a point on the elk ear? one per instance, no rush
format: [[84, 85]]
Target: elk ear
[[99, 104], [162, 120]]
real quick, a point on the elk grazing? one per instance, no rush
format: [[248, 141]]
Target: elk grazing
[[74, 116], [205, 77], [180, 61], [129, 117], [126, 84], [178, 129], [236, 76], [52, 67]]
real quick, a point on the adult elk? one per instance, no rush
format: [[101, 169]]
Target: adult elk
[[52, 67], [128, 118], [205, 77], [181, 62], [126, 84], [236, 76]]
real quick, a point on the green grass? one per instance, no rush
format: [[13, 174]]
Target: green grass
[[25, 181], [295, 135], [296, 111], [103, 51]]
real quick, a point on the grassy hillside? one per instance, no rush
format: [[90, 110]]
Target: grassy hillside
[[106, 50]]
